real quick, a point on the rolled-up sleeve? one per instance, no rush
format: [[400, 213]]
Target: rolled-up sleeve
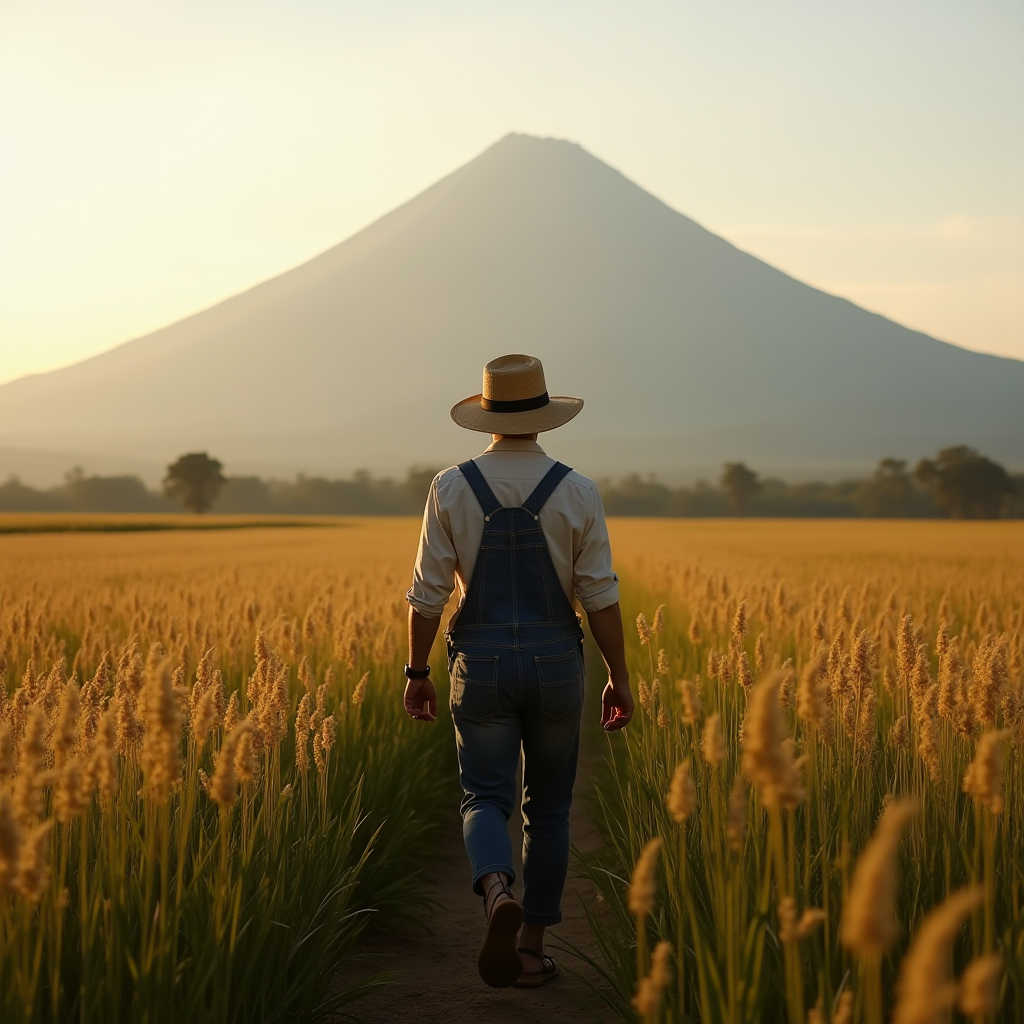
[[595, 583], [433, 577]]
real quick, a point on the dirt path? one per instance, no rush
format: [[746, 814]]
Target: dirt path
[[439, 981]]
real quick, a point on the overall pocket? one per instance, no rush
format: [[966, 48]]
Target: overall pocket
[[474, 681], [561, 684]]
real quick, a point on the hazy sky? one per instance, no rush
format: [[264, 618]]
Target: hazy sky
[[157, 157]]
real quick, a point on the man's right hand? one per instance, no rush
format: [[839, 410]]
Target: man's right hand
[[421, 699], [616, 706]]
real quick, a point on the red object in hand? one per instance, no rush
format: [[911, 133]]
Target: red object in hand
[[616, 707]]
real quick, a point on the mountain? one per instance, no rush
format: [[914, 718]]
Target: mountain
[[687, 350]]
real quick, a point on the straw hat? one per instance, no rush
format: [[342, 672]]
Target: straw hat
[[515, 400]]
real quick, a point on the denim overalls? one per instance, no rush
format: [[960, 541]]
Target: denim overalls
[[515, 656]]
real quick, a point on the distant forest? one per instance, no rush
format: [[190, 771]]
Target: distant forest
[[958, 483]]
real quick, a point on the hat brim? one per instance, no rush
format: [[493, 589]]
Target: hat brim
[[559, 410]]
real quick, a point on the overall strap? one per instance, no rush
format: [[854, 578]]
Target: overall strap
[[488, 502], [554, 476]]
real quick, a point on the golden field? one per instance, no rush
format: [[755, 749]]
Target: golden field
[[821, 805], [134, 522], [208, 782]]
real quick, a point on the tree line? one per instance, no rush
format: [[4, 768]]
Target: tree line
[[958, 482]]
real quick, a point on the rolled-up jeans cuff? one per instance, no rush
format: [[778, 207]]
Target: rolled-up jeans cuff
[[542, 920], [505, 869]]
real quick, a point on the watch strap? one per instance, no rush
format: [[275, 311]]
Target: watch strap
[[416, 673]]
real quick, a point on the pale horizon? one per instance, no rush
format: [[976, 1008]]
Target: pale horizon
[[155, 164]]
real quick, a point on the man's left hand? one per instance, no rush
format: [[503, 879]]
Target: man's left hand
[[421, 699]]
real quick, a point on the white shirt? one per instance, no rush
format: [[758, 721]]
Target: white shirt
[[453, 525]]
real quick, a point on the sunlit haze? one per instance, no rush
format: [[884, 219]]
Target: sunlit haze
[[159, 157]]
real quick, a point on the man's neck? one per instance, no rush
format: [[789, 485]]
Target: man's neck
[[504, 443]]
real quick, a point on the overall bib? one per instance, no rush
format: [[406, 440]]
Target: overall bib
[[515, 657]]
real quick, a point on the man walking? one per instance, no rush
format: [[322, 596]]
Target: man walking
[[523, 537]]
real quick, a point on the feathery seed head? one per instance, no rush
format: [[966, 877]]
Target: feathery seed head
[[712, 664], [67, 718], [34, 865], [650, 989], [713, 742], [302, 716], [247, 765], [204, 717], [924, 991], [682, 797], [861, 656], [33, 743], [29, 782], [906, 648], [659, 619], [928, 745], [328, 734], [223, 788], [643, 629], [644, 694], [809, 920], [691, 701], [767, 760], [989, 678], [744, 674], [103, 763], [898, 735], [694, 631], [231, 715], [979, 986], [302, 730], [984, 777], [760, 657], [160, 757], [358, 694], [643, 886], [868, 925], [260, 648], [810, 697], [920, 678], [951, 673], [739, 622]]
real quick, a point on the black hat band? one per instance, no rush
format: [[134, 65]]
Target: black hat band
[[519, 405]]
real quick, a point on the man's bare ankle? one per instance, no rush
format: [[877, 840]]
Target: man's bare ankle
[[531, 938], [495, 886]]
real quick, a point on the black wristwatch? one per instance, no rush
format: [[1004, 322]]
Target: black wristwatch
[[416, 673]]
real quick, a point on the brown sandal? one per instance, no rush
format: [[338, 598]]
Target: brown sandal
[[549, 970], [499, 962]]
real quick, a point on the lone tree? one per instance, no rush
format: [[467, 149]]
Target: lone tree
[[740, 485], [968, 484], [195, 480]]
